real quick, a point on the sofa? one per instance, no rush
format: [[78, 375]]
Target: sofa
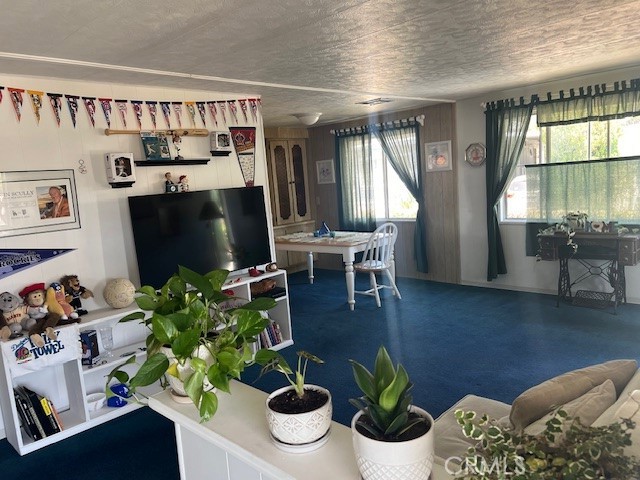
[[598, 395]]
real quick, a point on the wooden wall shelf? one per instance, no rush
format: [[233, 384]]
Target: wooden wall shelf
[[160, 163]]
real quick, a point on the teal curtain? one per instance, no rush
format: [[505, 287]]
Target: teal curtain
[[400, 144], [590, 103], [355, 180], [604, 189], [506, 129]]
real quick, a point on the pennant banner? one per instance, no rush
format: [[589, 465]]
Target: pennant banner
[[1, 88], [243, 107], [16, 99], [105, 103], [214, 112], [177, 107], [192, 112], [153, 111], [233, 108], [36, 102], [203, 113], [137, 109], [122, 108], [13, 261], [244, 141], [90, 105], [223, 110], [166, 113], [72, 103], [253, 105], [55, 99]]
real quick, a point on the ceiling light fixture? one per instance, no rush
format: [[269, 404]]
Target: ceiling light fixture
[[375, 101], [308, 118]]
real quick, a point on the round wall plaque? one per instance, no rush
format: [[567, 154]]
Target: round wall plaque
[[475, 154]]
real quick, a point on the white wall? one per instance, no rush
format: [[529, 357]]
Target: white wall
[[524, 272]]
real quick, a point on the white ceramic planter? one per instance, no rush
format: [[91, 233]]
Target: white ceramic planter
[[410, 460], [177, 384], [305, 430]]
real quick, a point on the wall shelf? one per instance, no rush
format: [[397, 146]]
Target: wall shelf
[[160, 163]]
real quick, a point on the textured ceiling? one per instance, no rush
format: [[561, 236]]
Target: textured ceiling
[[321, 55]]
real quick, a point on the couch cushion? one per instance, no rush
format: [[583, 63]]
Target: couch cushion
[[449, 439], [587, 407], [629, 407], [611, 414], [537, 401]]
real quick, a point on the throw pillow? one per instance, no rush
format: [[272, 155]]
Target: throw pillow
[[587, 407], [537, 401]]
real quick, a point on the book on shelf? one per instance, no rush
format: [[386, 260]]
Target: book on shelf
[[39, 411], [36, 429], [28, 424]]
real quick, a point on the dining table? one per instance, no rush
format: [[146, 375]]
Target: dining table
[[344, 243]]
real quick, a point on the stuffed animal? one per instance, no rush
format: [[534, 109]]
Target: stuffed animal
[[75, 292], [33, 296], [12, 312], [56, 302]]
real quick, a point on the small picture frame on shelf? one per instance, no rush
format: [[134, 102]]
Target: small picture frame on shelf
[[221, 143], [155, 145]]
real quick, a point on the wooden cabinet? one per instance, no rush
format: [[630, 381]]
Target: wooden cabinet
[[289, 181]]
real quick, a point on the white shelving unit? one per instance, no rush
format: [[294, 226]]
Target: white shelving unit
[[67, 385]]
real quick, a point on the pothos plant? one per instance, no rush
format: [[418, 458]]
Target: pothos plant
[[188, 315], [571, 222], [565, 450]]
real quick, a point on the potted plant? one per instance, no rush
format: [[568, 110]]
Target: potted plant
[[565, 449], [193, 338], [391, 437], [298, 415]]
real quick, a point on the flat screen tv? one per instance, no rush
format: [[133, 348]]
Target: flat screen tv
[[201, 230]]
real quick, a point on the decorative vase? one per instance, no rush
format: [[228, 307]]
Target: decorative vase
[[408, 460], [300, 432]]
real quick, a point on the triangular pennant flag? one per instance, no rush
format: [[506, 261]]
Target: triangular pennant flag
[[16, 99], [90, 105], [12, 261], [233, 108], [203, 113], [192, 112], [72, 103], [166, 113], [214, 112], [122, 108], [56, 104], [36, 102], [1, 88], [223, 109], [105, 103], [153, 111], [137, 108], [244, 141], [177, 107], [253, 105], [243, 107]]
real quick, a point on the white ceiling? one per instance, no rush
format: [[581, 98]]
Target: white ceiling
[[321, 55]]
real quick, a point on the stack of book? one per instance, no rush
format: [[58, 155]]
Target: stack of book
[[38, 415], [271, 335]]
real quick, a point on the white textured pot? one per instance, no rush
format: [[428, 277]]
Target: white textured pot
[[177, 384], [300, 428], [410, 460]]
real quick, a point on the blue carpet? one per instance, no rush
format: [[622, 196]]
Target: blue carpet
[[452, 339]]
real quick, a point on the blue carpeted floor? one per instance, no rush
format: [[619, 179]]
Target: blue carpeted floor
[[452, 339]]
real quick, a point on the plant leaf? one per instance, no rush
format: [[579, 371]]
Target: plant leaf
[[150, 371], [364, 380], [390, 395], [208, 406], [383, 371]]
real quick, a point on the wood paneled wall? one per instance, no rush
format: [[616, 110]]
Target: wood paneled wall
[[440, 196]]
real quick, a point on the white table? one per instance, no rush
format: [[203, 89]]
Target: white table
[[235, 443], [346, 244]]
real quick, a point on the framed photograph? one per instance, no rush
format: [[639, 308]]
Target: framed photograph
[[438, 156], [37, 201], [326, 173]]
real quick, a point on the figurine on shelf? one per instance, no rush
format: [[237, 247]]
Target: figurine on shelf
[[184, 183], [75, 292], [56, 302], [169, 184], [12, 312], [177, 141]]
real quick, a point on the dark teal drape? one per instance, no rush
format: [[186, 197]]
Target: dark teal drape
[[355, 181], [506, 129], [401, 145]]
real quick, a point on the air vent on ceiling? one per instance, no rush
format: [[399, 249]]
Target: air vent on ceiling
[[375, 101]]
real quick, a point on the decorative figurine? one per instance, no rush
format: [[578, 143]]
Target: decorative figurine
[[177, 141], [55, 301], [12, 312], [75, 292], [184, 183], [169, 184]]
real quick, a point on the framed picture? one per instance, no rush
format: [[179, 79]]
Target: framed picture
[[438, 156], [38, 201], [326, 173]]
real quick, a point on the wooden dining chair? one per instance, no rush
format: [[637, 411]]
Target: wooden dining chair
[[377, 258]]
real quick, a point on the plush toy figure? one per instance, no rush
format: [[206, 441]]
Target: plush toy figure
[[56, 302], [75, 292], [33, 296], [12, 312]]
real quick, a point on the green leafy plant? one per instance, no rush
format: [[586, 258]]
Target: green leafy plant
[[188, 315], [274, 361], [386, 400], [565, 450]]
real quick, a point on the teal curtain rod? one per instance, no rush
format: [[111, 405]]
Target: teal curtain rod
[[583, 162]]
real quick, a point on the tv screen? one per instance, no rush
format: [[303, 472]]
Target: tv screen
[[201, 230]]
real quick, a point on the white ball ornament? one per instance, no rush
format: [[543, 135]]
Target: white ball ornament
[[119, 293]]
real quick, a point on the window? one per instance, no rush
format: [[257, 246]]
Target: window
[[613, 187], [391, 198]]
